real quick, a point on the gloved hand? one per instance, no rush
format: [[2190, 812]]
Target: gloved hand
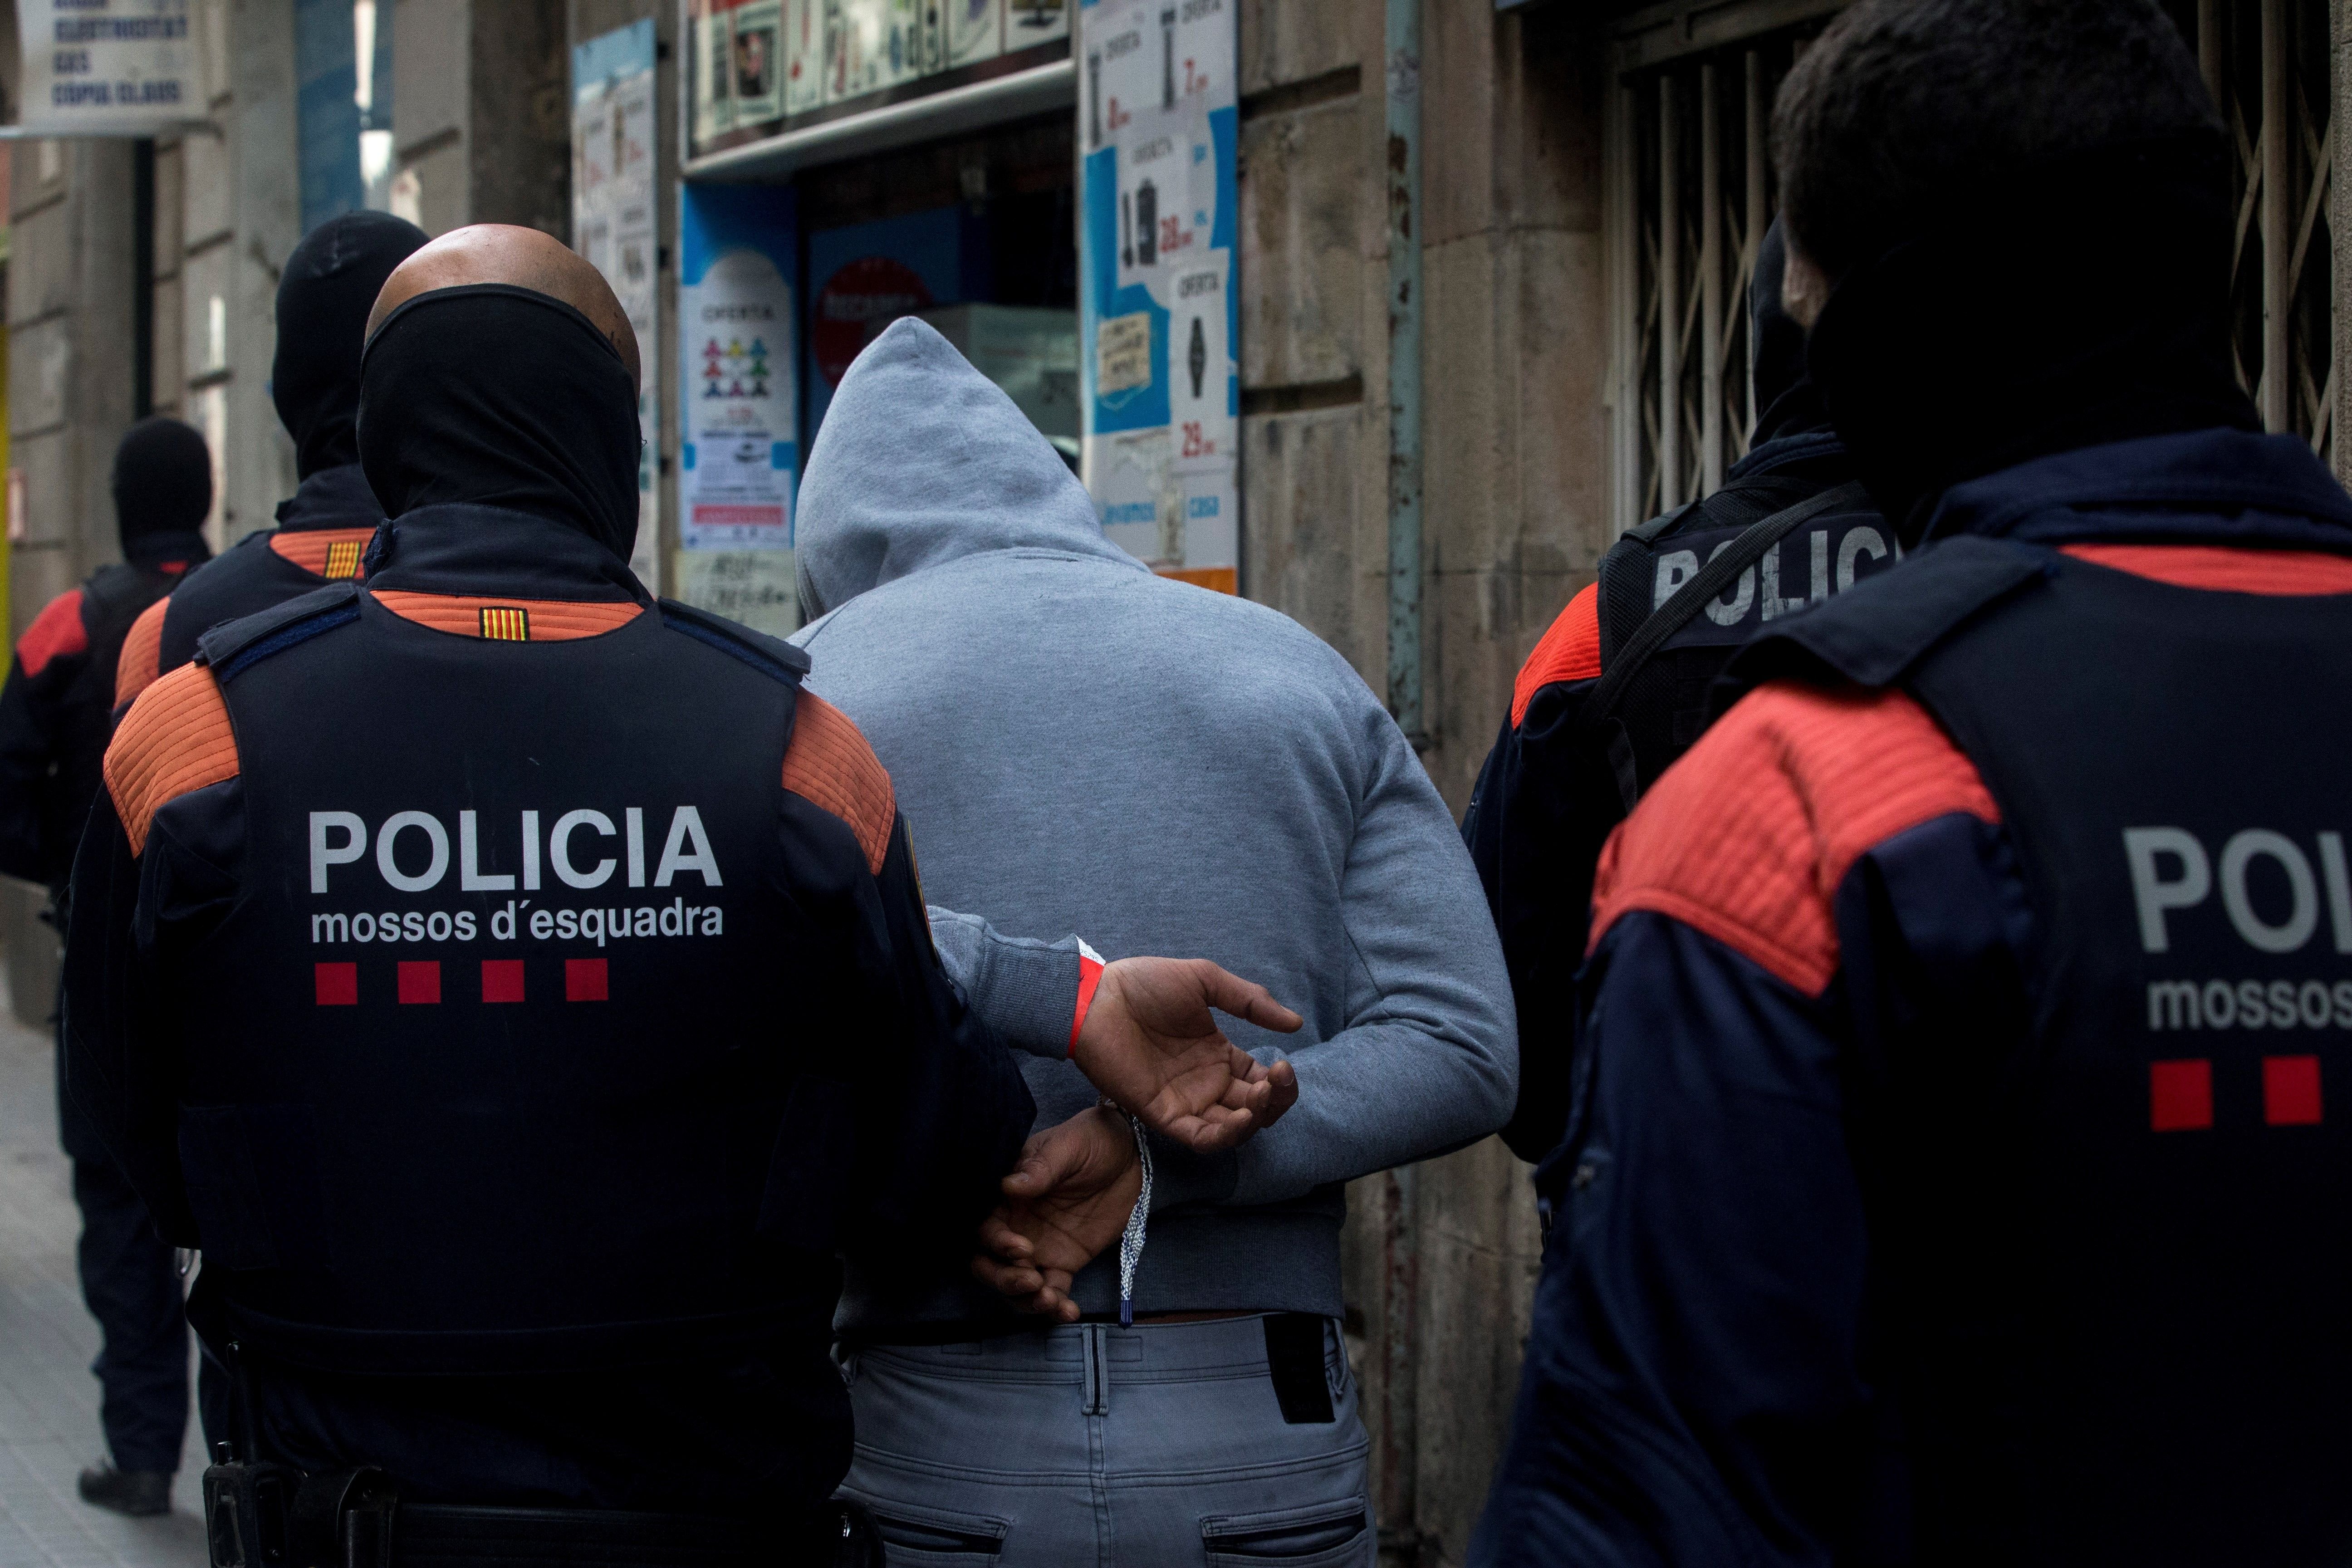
[[1067, 1199], [1150, 1045]]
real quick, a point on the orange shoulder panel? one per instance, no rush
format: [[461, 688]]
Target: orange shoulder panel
[[55, 631], [2223, 568], [509, 620], [330, 552], [176, 739], [1569, 651], [829, 764], [1747, 836], [142, 650]]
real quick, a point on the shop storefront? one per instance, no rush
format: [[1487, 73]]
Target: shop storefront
[[1002, 169]]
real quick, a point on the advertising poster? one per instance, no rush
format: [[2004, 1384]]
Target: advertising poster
[[875, 44], [758, 73], [804, 55], [1158, 315], [738, 418], [754, 65], [710, 27], [612, 213], [970, 31], [1028, 22], [866, 276], [107, 66]]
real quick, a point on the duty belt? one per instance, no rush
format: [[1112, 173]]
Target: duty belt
[[274, 1516]]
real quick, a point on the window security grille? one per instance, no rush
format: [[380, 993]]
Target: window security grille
[[1691, 192]]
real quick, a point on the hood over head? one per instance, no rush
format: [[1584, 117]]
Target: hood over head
[[330, 284], [1786, 402], [503, 396], [923, 460], [163, 482]]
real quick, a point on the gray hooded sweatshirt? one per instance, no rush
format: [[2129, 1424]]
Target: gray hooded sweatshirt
[[1078, 745]]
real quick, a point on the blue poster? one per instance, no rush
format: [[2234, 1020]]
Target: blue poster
[[1158, 316], [866, 276], [739, 424], [342, 107]]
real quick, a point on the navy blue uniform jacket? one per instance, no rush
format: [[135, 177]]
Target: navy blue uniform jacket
[[1824, 882]]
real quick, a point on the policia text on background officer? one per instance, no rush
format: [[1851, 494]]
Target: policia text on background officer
[[1958, 1172], [55, 719], [1618, 688], [520, 990]]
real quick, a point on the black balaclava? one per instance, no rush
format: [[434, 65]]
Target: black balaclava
[[1787, 401], [162, 489], [330, 284], [501, 396], [2082, 301]]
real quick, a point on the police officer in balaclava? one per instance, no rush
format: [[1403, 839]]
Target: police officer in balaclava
[[330, 283], [1562, 774], [522, 992], [55, 719]]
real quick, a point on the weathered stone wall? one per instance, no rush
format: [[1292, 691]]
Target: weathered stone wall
[[1441, 1260], [481, 115], [583, 20]]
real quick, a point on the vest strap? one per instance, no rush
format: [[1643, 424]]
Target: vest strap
[[237, 645], [770, 656], [1677, 612]]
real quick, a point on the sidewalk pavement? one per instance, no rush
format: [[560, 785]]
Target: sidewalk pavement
[[48, 1400]]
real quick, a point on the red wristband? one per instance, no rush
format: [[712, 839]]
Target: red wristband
[[1090, 968]]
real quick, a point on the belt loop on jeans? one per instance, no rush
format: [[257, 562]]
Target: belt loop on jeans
[[1096, 1376]]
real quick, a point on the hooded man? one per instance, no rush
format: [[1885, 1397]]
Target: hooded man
[[1958, 1171], [519, 990], [55, 716], [330, 284], [1564, 772], [1087, 746]]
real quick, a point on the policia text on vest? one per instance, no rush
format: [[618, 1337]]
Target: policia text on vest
[[569, 849], [1833, 554], [2269, 899]]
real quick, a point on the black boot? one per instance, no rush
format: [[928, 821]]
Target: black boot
[[139, 1493]]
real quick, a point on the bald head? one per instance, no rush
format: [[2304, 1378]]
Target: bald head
[[522, 258]]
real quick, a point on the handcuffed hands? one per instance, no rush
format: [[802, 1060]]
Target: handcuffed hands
[[1150, 1044], [1067, 1199]]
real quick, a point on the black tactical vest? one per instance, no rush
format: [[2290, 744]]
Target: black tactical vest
[[492, 1064], [1664, 709], [2120, 1316], [111, 600], [252, 577]]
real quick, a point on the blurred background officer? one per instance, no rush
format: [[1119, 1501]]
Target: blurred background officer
[[522, 992], [1960, 1171], [55, 719], [1563, 772], [1088, 747], [330, 284]]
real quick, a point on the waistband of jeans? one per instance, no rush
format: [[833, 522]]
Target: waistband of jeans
[[1059, 1354]]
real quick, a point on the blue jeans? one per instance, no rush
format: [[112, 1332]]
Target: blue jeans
[[1163, 1446]]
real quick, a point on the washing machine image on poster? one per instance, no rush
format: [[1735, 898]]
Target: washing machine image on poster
[[738, 406]]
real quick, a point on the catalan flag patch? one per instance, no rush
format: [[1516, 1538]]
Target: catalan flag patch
[[505, 622], [343, 560]]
